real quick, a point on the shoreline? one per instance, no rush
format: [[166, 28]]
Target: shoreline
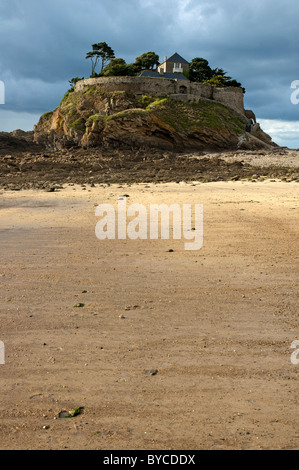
[[99, 167]]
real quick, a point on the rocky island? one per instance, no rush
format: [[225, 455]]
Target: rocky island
[[144, 112]]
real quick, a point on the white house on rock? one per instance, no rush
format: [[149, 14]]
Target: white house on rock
[[172, 67]]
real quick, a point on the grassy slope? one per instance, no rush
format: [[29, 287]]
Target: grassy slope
[[180, 116]]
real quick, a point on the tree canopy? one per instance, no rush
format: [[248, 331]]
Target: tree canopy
[[110, 66], [102, 53], [200, 71], [74, 80], [119, 67], [114, 67], [147, 61]]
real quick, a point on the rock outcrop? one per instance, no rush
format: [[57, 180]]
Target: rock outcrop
[[17, 141], [91, 117]]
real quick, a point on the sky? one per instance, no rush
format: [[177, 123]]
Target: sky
[[43, 44]]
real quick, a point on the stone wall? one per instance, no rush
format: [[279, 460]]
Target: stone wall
[[201, 90], [231, 97], [135, 85]]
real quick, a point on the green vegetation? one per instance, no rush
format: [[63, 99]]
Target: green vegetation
[[149, 102], [46, 116], [100, 52], [117, 67], [81, 110], [145, 101], [78, 125], [64, 98], [147, 61], [200, 71], [156, 103], [110, 66], [71, 414], [127, 113], [68, 109], [93, 91], [179, 115], [73, 82], [95, 118], [76, 411], [187, 116], [69, 102]]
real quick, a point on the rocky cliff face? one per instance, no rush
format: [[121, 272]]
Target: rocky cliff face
[[94, 118]]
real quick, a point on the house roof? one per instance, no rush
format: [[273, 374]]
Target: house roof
[[177, 58], [153, 74]]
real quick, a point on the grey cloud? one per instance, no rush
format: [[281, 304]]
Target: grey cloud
[[43, 44]]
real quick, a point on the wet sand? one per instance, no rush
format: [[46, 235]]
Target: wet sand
[[216, 325]]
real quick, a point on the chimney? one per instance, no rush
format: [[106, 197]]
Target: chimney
[[165, 58]]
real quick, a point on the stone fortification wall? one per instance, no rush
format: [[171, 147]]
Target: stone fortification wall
[[201, 90], [135, 85], [231, 97]]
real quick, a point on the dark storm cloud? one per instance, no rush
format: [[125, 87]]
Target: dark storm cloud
[[43, 44], [49, 39]]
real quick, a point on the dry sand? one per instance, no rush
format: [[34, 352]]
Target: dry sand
[[217, 324]]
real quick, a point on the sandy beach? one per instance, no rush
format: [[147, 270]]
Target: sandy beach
[[170, 349]]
